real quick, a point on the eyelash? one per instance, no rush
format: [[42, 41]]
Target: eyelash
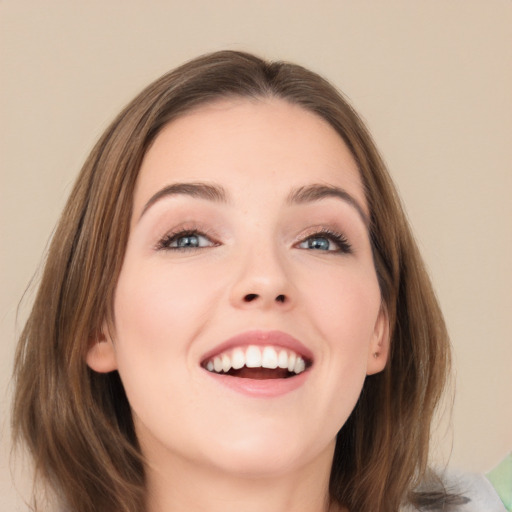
[[339, 239], [343, 245], [164, 244]]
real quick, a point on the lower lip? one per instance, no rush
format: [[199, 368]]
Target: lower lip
[[264, 388]]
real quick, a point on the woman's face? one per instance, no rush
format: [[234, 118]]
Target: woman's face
[[248, 250]]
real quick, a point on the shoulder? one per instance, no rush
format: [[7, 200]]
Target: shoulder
[[473, 492], [476, 488]]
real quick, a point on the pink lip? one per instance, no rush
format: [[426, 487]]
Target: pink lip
[[269, 388], [264, 388], [274, 338]]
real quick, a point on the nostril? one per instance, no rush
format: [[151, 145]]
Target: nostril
[[250, 297]]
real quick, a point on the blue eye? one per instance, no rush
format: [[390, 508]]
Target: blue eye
[[185, 240], [318, 243], [326, 241]]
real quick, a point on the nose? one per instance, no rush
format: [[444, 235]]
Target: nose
[[262, 281]]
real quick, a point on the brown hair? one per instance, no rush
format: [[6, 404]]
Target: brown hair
[[77, 423]]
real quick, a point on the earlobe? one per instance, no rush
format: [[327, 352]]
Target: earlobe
[[379, 346], [101, 355]]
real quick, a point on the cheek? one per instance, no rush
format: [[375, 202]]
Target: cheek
[[344, 312], [345, 303], [158, 312], [160, 302]]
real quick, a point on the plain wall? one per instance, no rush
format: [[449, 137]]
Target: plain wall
[[433, 80]]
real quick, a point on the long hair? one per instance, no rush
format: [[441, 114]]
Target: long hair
[[77, 423]]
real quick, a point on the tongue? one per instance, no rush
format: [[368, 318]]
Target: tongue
[[260, 373]]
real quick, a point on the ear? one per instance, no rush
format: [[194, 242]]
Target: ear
[[379, 345], [101, 354]]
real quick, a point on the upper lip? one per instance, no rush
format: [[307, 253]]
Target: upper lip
[[261, 338]]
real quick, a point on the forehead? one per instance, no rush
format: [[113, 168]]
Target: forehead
[[249, 145]]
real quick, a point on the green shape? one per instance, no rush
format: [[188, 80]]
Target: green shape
[[501, 479]]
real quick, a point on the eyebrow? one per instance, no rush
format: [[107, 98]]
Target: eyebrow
[[218, 194], [206, 191], [316, 192]]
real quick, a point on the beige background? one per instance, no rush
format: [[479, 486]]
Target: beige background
[[432, 78]]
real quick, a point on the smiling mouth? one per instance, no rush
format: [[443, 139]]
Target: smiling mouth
[[258, 363]]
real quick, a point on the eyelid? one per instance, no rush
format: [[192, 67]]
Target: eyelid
[[184, 230], [335, 235]]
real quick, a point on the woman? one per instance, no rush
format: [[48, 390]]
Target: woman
[[233, 312]]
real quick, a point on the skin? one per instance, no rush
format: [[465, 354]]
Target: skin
[[208, 447]]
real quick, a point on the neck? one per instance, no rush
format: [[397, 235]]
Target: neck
[[184, 486]]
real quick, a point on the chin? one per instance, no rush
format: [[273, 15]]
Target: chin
[[269, 455], [255, 464]]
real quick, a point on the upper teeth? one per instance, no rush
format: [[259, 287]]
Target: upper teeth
[[256, 357]]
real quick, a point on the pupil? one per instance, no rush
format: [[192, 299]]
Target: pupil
[[319, 243], [188, 241]]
